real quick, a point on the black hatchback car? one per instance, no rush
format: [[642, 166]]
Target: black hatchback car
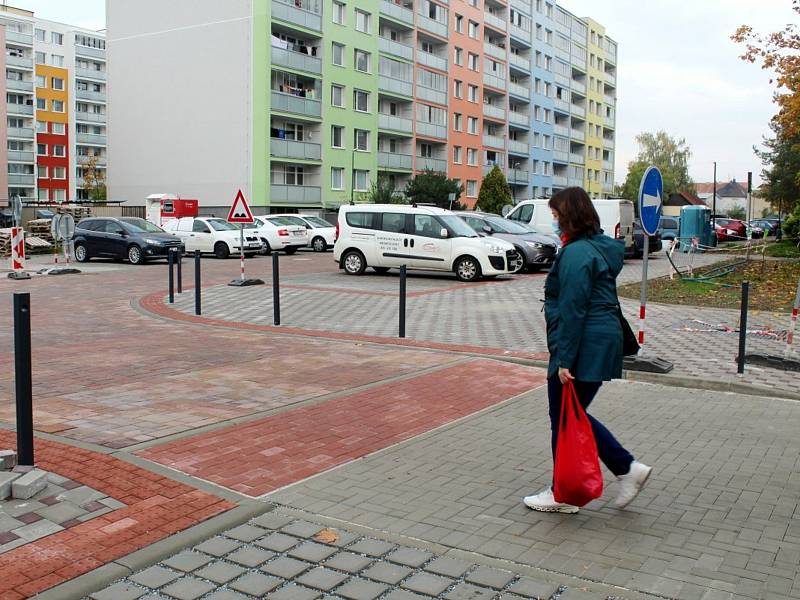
[[128, 238]]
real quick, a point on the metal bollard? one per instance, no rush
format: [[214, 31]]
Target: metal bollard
[[276, 291], [179, 255], [22, 374], [743, 325], [403, 301], [171, 263], [197, 305]]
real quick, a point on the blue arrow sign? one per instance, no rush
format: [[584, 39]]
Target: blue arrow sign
[[651, 194]]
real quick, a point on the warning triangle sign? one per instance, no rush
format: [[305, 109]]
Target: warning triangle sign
[[240, 211]]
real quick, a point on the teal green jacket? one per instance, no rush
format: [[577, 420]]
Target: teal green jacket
[[583, 330]]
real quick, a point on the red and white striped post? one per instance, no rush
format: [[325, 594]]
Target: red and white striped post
[[241, 249], [793, 324], [643, 303], [17, 249]]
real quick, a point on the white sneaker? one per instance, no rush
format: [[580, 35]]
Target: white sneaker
[[545, 502], [632, 483]]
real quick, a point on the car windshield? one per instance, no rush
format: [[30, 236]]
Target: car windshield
[[135, 225], [220, 225], [317, 222], [457, 226], [506, 226]]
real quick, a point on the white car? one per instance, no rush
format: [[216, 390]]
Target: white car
[[211, 235], [321, 233], [385, 236], [278, 233]]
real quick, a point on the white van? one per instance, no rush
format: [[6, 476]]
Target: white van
[[386, 236], [616, 218]]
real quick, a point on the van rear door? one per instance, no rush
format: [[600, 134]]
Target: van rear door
[[626, 216]]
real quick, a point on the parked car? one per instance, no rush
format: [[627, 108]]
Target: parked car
[[538, 251], [277, 233], [769, 226], [128, 238], [321, 233], [211, 235], [730, 229], [638, 240], [670, 228], [385, 236]]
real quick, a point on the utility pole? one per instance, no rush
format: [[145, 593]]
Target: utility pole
[[714, 201]]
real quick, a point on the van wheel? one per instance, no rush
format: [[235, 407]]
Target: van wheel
[[221, 250], [354, 263], [468, 269], [381, 270]]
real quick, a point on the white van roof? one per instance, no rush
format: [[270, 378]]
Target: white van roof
[[412, 208]]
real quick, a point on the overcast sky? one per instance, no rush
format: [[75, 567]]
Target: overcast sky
[[678, 70]]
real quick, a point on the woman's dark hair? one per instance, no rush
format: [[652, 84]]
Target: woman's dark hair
[[576, 214]]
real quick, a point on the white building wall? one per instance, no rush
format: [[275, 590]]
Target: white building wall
[[179, 99]]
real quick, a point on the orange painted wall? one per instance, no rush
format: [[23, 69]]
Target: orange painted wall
[[49, 138]]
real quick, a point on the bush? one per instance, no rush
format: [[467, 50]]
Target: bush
[[791, 226]]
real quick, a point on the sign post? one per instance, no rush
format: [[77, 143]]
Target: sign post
[[240, 213], [62, 228]]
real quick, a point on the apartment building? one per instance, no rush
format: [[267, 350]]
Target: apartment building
[[55, 106], [304, 104]]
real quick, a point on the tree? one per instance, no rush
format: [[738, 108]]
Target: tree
[[737, 212], [430, 187], [781, 173], [778, 52], [495, 193], [670, 155], [383, 192], [94, 179]]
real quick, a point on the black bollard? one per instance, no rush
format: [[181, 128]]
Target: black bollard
[[179, 255], [743, 325], [403, 301], [276, 291], [197, 305], [22, 374], [171, 263]]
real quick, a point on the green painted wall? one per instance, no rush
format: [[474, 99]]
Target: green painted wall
[[260, 60]]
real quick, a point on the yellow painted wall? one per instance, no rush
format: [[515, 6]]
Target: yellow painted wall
[[595, 188], [49, 94]]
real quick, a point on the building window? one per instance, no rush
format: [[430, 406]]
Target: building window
[[42, 194], [472, 125], [474, 30], [472, 157], [337, 136], [360, 180], [458, 56], [337, 178], [41, 81], [426, 150], [472, 188], [59, 151], [58, 83], [362, 60], [361, 140], [337, 95], [337, 54], [58, 128], [473, 61], [361, 101], [58, 106], [57, 60], [457, 154], [59, 173], [473, 93], [41, 104], [338, 13], [41, 58], [41, 172], [458, 88], [294, 175], [40, 33], [457, 121], [57, 38], [459, 23], [60, 195], [41, 149], [41, 126], [362, 21]]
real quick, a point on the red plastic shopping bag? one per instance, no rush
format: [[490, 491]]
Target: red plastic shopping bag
[[577, 478]]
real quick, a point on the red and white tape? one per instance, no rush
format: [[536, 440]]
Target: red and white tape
[[17, 249]]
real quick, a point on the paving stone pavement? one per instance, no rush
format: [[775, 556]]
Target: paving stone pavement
[[719, 517], [279, 557]]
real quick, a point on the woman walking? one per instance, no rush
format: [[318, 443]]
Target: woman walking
[[584, 336]]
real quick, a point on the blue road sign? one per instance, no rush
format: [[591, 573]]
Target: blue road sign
[[651, 194]]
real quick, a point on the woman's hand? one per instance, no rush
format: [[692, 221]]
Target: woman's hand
[[565, 376]]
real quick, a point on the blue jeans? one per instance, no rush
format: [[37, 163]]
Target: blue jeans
[[614, 456]]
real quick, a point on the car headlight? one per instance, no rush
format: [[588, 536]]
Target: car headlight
[[536, 245], [152, 242], [494, 248]]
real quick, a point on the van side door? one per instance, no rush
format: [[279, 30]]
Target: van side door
[[429, 249], [393, 248]]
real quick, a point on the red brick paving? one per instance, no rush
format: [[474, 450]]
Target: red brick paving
[[156, 508], [266, 454]]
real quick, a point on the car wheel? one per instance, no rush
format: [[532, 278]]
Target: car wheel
[[266, 249], [468, 269], [318, 244], [290, 251], [381, 270], [135, 256], [81, 253], [221, 250], [354, 263]]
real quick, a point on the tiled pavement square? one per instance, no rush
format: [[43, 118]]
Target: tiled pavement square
[[220, 571], [312, 552], [467, 591], [489, 577], [361, 589], [278, 542], [348, 561], [250, 557], [410, 557], [187, 561], [154, 577], [218, 546], [371, 547], [321, 578], [285, 567], [188, 588], [387, 572], [256, 584], [426, 583], [294, 592]]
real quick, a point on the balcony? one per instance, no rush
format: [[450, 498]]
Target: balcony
[[607, 143], [21, 133], [518, 147], [493, 141], [296, 60], [395, 86], [563, 80], [523, 6], [394, 123], [578, 134], [431, 60], [26, 39], [392, 160], [610, 100], [294, 149], [488, 168], [297, 16], [520, 33], [87, 117], [608, 165], [15, 85], [577, 159], [20, 109], [518, 176], [21, 179], [91, 74], [562, 54], [518, 118], [518, 90], [90, 52], [90, 95], [608, 188], [20, 61], [102, 161], [431, 130], [494, 81], [494, 21], [561, 156], [397, 12], [296, 104], [561, 105], [431, 164], [608, 122], [561, 130], [20, 156], [494, 50], [519, 61], [432, 26], [294, 194], [578, 111], [91, 138], [560, 181], [578, 86], [575, 182], [494, 112], [431, 95], [396, 48]]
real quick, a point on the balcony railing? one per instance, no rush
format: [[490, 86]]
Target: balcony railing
[[25, 39], [494, 81], [563, 80], [519, 90], [308, 107], [298, 16], [396, 48], [609, 122], [562, 54], [90, 74], [518, 176], [519, 118], [519, 61], [578, 134], [392, 160], [23, 179], [296, 60], [91, 138], [577, 110], [431, 130], [518, 147], [20, 156], [431, 60], [608, 188], [15, 85], [578, 86], [20, 109], [88, 117], [19, 61], [394, 123], [425, 163], [431, 95], [294, 149], [397, 12], [90, 52], [24, 133], [494, 21], [577, 159], [561, 130], [395, 86], [575, 181], [611, 78], [607, 143], [102, 161], [522, 6], [493, 141], [608, 165], [520, 33], [494, 112], [90, 95], [561, 105], [561, 156], [494, 50], [490, 167], [432, 26], [295, 194], [560, 181]]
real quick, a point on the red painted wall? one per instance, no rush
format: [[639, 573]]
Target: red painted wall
[[51, 161]]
